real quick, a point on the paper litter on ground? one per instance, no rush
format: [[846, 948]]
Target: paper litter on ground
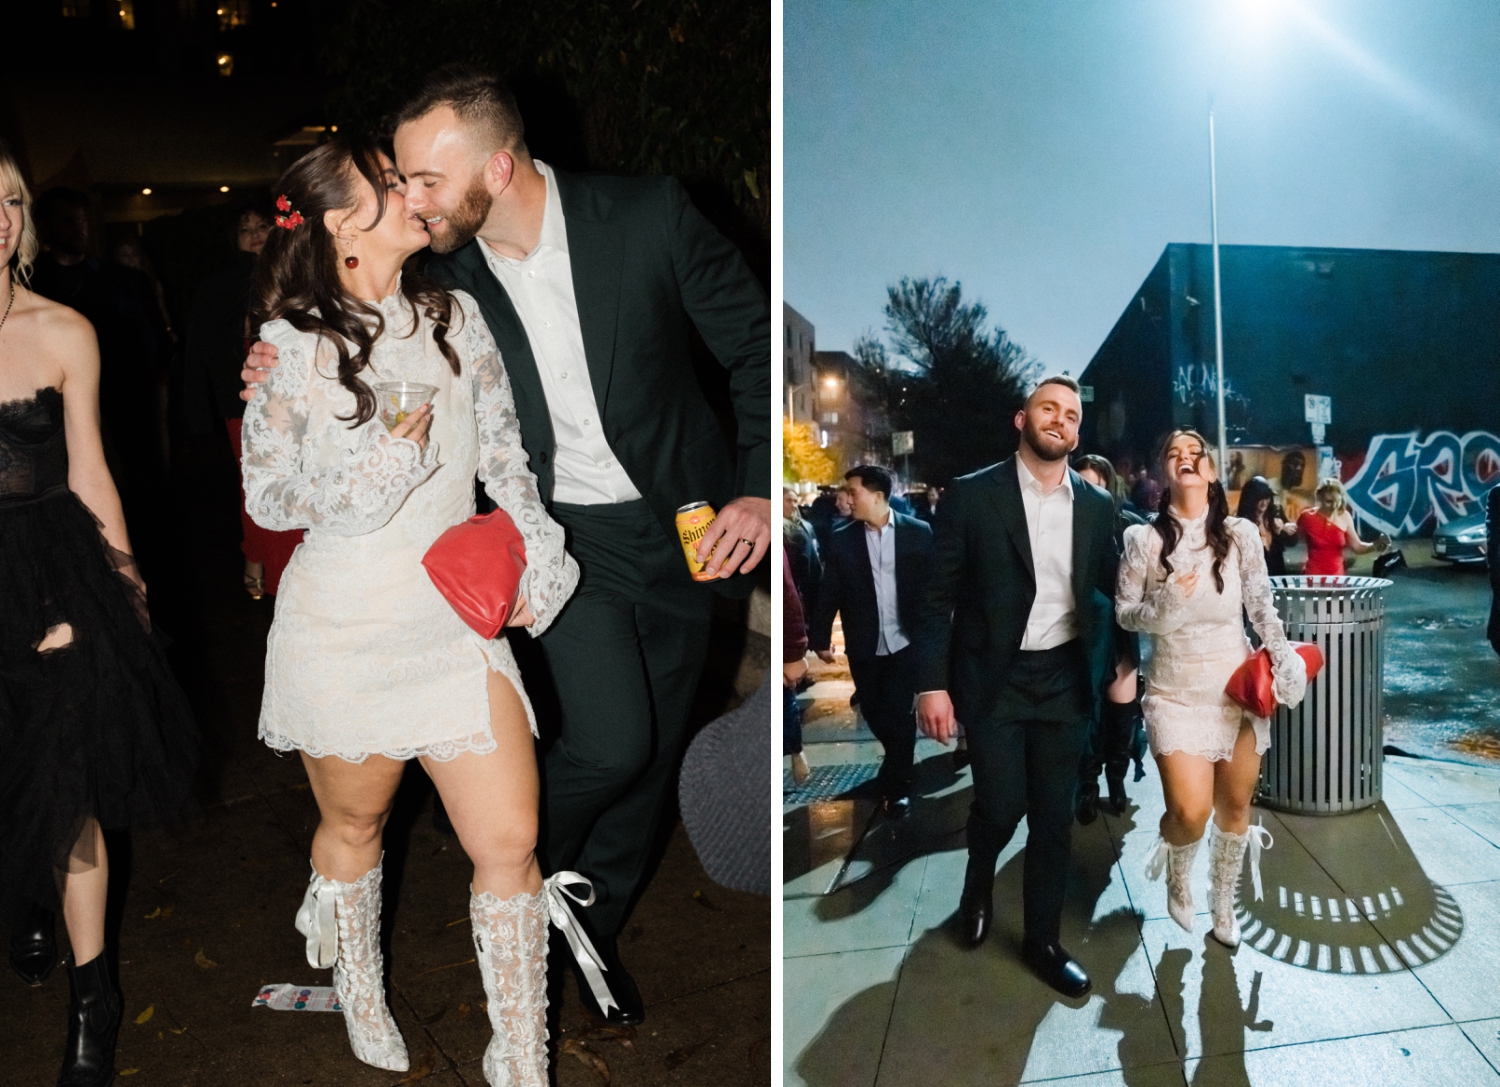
[[298, 998]]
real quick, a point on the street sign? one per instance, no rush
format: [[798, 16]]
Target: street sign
[[902, 443], [1317, 409]]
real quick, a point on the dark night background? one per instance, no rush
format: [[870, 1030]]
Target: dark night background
[[204, 103]]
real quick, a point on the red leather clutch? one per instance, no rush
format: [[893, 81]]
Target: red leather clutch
[[477, 566], [1250, 685]]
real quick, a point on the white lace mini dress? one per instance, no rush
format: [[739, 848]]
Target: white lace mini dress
[[1198, 640], [365, 656]]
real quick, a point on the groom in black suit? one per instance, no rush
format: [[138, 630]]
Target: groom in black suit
[[591, 287], [1013, 642]]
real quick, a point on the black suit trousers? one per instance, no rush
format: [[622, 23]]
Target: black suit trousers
[[887, 687], [626, 655], [1025, 763]]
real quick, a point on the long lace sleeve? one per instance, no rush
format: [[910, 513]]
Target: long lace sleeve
[[551, 573], [1288, 670], [1150, 611], [282, 491]]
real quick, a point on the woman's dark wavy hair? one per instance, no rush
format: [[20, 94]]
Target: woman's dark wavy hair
[[1255, 489], [1218, 512], [298, 271]]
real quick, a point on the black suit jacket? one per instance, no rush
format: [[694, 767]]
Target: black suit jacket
[[645, 263], [848, 585], [983, 584]]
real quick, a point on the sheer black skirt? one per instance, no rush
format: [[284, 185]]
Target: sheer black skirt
[[97, 728]]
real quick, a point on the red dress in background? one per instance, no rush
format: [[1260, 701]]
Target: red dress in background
[[1325, 543], [273, 550]]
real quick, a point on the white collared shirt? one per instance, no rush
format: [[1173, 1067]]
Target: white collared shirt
[[585, 470], [881, 543], [1049, 525]]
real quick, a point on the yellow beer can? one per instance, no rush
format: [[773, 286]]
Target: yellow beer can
[[692, 522]]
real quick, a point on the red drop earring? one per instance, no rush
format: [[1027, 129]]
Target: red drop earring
[[351, 262]]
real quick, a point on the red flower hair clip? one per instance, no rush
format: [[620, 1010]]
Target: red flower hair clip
[[287, 222]]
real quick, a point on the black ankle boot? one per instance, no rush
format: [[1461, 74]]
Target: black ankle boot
[[1119, 727], [33, 946], [93, 1022]]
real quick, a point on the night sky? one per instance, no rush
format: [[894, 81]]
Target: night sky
[[1045, 153]]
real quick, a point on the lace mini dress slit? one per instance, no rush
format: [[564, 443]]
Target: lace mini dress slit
[[94, 728], [365, 656], [1198, 641]]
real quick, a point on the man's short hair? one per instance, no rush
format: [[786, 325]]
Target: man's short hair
[[872, 477], [482, 100], [1058, 379]]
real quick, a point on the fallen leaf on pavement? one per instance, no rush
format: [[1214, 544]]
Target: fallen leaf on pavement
[[604, 1032], [463, 1011], [428, 1020], [146, 1015], [703, 900], [421, 1069], [127, 1071], [594, 1062], [154, 913], [204, 961]]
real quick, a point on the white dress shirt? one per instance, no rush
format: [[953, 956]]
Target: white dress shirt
[[1049, 525], [881, 543], [585, 470]]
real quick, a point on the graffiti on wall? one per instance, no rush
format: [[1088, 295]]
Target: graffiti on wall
[[1197, 383], [1408, 485]]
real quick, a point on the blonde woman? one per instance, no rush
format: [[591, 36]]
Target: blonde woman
[[96, 734], [1185, 581], [1329, 529]]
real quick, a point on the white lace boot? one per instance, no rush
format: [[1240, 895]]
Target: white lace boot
[[1226, 858], [1177, 862], [510, 942], [342, 924]]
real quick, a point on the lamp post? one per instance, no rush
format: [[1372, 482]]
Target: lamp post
[[1213, 205]]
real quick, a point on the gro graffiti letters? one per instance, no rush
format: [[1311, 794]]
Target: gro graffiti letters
[[1408, 485]]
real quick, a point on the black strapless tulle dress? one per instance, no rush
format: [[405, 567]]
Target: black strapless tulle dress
[[98, 728]]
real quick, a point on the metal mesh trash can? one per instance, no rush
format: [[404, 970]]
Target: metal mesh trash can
[[1325, 753]]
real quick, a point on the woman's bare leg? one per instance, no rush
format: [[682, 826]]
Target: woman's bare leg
[[1187, 782], [354, 800], [85, 889], [492, 799], [1234, 784]]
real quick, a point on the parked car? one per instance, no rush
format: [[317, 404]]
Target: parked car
[[1465, 539]]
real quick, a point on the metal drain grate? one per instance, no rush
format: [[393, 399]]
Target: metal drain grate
[[826, 782]]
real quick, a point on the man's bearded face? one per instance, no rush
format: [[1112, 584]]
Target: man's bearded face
[[459, 227]]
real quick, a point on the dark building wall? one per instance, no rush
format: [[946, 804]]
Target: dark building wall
[[1131, 376], [1404, 343]]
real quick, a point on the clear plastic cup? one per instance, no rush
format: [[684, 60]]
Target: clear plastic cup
[[395, 400]]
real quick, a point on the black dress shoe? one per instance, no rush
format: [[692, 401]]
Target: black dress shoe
[[976, 909], [629, 1011], [93, 1022], [1057, 968], [33, 946]]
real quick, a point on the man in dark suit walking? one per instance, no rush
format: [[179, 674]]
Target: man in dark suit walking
[[589, 285], [875, 574], [1013, 642]]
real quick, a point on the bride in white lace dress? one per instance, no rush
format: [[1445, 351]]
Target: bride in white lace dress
[[367, 664], [1185, 581]]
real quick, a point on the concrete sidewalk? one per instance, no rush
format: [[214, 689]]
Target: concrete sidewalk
[[1370, 960]]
